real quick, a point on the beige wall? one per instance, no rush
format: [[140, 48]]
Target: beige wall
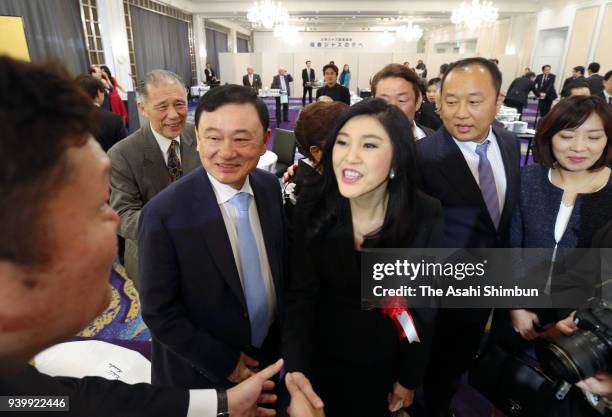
[[603, 51], [580, 39]]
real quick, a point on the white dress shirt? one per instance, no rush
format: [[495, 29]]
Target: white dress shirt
[[468, 149], [251, 79], [607, 96], [418, 132], [283, 84], [164, 145], [224, 193], [202, 403]]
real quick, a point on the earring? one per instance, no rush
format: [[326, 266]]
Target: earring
[[391, 174]]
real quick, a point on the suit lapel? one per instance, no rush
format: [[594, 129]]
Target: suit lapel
[[207, 210], [154, 167], [268, 218], [190, 158], [511, 159]]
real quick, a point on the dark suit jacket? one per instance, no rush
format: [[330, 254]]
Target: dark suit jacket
[[324, 315], [519, 90], [428, 117], [256, 81], [97, 397], [192, 298], [138, 173], [548, 87], [595, 82], [445, 175], [276, 83], [211, 76], [307, 77], [110, 129]]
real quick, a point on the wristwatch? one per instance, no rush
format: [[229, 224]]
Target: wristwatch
[[222, 405]]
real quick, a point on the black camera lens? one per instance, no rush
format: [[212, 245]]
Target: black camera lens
[[576, 357]]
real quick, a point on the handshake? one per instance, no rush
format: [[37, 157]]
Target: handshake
[[244, 399]]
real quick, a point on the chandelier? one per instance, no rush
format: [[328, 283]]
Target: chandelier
[[267, 14], [473, 15], [287, 33], [410, 32]]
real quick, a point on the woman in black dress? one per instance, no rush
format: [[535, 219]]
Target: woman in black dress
[[367, 198]]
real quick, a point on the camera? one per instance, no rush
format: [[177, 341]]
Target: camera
[[588, 350]]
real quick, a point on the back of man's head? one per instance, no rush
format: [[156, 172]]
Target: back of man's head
[[155, 78], [594, 67], [232, 94], [578, 88], [530, 75], [579, 70], [490, 66], [608, 75], [90, 85], [36, 133]]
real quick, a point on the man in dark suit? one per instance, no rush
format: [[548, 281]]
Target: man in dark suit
[[211, 76], [110, 125], [251, 80], [211, 253], [473, 169], [518, 92], [595, 80], [332, 89], [58, 245], [545, 85], [151, 158], [399, 85], [281, 82], [308, 77], [606, 93], [577, 76]]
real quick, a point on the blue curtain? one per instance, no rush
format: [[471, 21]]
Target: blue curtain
[[215, 42]]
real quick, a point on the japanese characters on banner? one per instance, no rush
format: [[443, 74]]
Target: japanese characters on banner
[[335, 42]]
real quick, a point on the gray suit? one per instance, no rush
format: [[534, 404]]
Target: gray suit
[[139, 173]]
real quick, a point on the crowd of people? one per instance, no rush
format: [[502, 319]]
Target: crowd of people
[[239, 277]]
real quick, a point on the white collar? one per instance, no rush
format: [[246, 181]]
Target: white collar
[[471, 145], [225, 192], [164, 142], [418, 132], [607, 95]]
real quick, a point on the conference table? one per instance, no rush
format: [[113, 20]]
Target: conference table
[[199, 90]]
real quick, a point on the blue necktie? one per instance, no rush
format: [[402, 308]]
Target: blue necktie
[[487, 182], [252, 279]]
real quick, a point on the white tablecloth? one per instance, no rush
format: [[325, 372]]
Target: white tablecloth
[[268, 161], [199, 90]]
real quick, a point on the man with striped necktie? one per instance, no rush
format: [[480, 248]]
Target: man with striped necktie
[[472, 167]]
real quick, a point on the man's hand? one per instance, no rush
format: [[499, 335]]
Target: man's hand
[[245, 368], [542, 96], [567, 325], [600, 384], [304, 401], [242, 399], [290, 173], [400, 397], [522, 322]]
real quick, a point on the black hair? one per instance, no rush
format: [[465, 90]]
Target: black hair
[[567, 91], [490, 66], [545, 66], [579, 69], [329, 208], [90, 85], [594, 67], [530, 74], [108, 73], [36, 134], [235, 94], [332, 66], [608, 75]]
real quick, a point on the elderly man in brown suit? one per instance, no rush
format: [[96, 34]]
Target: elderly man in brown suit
[[151, 158]]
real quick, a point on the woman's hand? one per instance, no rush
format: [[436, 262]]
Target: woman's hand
[[522, 322]]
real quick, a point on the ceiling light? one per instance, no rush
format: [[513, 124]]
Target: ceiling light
[[410, 32], [267, 14], [473, 15]]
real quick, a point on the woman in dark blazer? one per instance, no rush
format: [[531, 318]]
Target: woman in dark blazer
[[565, 198], [366, 198]]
